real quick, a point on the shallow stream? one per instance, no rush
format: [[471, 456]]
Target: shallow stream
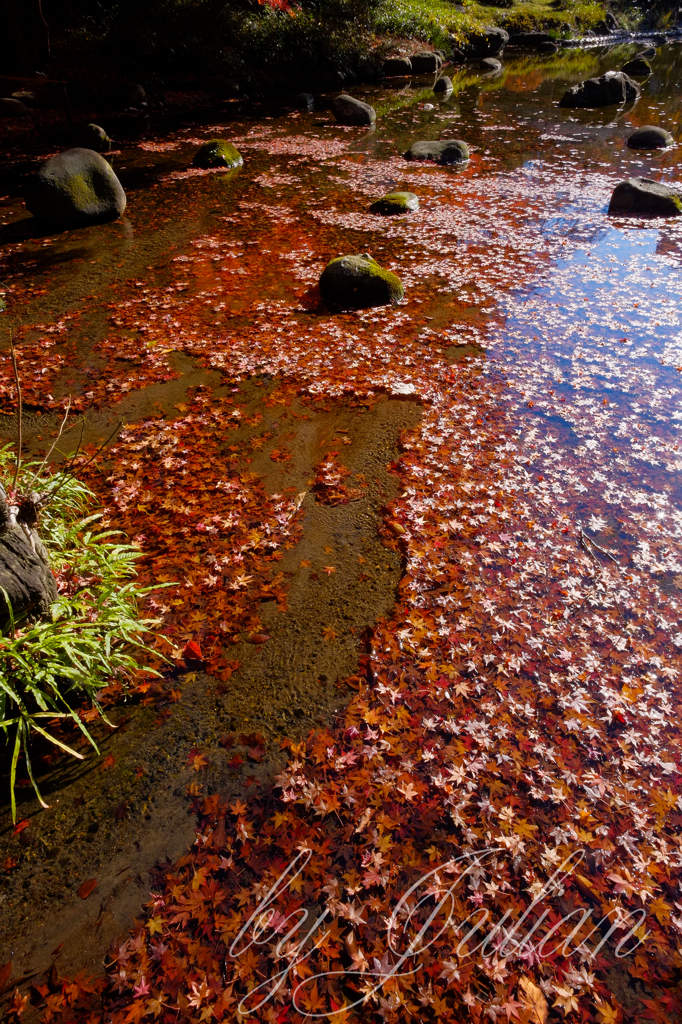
[[534, 326]]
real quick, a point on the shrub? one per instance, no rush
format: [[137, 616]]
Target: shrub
[[51, 668]]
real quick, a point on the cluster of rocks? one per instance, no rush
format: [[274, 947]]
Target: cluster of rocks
[[79, 187]]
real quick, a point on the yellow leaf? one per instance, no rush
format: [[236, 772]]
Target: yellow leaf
[[607, 1014], [533, 1000], [661, 909], [154, 925]]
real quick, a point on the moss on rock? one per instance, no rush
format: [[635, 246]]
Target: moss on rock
[[396, 202], [359, 281], [217, 153], [74, 188]]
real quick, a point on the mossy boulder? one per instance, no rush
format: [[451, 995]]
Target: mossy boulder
[[359, 282], [650, 137], [637, 66], [217, 153], [395, 203], [646, 198], [452, 151], [95, 138], [75, 188], [351, 111]]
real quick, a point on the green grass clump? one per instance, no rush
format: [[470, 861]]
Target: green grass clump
[[436, 20], [51, 668]]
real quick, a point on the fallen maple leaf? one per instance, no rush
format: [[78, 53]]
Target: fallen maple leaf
[[108, 762], [20, 826], [328, 633], [607, 1014], [534, 1000], [192, 651], [197, 760], [329, 569], [86, 888]]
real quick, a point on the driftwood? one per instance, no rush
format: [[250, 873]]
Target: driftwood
[[26, 579]]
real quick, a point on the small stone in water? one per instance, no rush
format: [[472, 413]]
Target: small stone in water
[[650, 137], [217, 153], [359, 281], [396, 202], [452, 151]]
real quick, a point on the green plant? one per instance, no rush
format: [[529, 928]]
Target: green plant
[[50, 668]]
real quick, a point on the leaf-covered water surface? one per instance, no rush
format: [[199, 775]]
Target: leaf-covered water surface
[[491, 829]]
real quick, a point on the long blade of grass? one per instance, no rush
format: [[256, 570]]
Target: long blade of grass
[[58, 743], [13, 770], [30, 775]]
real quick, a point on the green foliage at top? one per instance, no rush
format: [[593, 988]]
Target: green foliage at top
[[50, 669], [259, 44], [437, 20]]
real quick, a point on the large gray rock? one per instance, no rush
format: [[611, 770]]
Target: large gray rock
[[359, 282], [10, 107], [452, 151], [25, 578], [650, 137], [347, 110], [643, 197], [75, 188], [395, 67], [637, 66], [613, 87], [487, 42], [425, 63]]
